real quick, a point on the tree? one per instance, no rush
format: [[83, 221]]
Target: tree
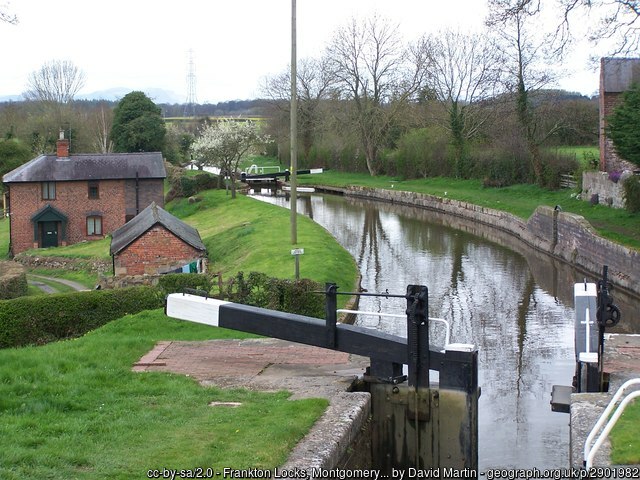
[[523, 50], [624, 124], [461, 71], [137, 125], [56, 81], [375, 72], [224, 143], [314, 86], [5, 16], [13, 153], [616, 20]]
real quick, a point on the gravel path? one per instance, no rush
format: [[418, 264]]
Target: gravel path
[[48, 289]]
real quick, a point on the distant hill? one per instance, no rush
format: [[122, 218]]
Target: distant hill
[[158, 95], [11, 98]]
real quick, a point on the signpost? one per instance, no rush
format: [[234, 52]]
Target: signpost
[[296, 252]]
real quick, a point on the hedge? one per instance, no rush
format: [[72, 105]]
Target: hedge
[[43, 319], [257, 289], [13, 280], [178, 282]]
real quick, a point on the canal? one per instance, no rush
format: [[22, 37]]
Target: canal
[[515, 304]]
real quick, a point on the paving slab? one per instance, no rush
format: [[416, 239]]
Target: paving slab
[[268, 364]]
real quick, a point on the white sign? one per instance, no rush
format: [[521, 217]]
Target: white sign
[[297, 251]]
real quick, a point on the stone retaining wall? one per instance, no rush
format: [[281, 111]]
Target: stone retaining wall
[[563, 235], [63, 263], [609, 193]]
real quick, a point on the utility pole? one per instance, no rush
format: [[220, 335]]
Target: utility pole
[[294, 129]]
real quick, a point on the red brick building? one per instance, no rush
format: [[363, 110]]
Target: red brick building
[[57, 200], [616, 76], [156, 242]]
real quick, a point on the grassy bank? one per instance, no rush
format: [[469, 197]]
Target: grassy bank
[[615, 224], [74, 409], [249, 235]]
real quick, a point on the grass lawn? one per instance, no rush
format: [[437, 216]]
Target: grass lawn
[[625, 440], [4, 238], [74, 409]]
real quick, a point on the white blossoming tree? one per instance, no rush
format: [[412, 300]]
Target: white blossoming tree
[[224, 143]]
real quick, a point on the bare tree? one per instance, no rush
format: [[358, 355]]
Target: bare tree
[[56, 81], [523, 52], [5, 16], [100, 121], [461, 71], [314, 85], [375, 73], [616, 20]]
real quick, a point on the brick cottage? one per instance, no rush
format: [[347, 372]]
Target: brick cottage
[[156, 242], [62, 199]]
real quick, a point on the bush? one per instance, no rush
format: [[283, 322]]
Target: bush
[[632, 193], [183, 185], [555, 165], [500, 168], [35, 321], [421, 153], [260, 290], [177, 282], [13, 280]]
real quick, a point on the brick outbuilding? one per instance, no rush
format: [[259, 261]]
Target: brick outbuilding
[[61, 199], [156, 242], [616, 76]]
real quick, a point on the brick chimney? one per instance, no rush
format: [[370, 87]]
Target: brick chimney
[[62, 146]]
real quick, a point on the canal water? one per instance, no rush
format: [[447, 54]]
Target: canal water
[[514, 303]]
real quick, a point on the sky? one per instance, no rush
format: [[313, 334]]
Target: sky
[[235, 44]]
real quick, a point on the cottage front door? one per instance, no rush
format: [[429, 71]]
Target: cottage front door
[[49, 234]]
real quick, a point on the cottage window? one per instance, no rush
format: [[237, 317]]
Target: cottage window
[[94, 225], [48, 190], [94, 191]]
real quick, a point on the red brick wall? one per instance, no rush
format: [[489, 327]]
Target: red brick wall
[[72, 199], [156, 251], [609, 159]]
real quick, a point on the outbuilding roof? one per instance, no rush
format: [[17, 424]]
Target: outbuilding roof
[[148, 218], [89, 166]]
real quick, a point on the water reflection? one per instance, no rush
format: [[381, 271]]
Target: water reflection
[[517, 307]]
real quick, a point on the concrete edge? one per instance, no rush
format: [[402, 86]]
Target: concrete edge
[[330, 437]]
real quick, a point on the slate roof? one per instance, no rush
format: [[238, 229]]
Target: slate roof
[[90, 166], [619, 73], [148, 218]]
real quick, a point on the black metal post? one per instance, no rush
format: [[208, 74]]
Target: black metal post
[[331, 316], [418, 335]]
